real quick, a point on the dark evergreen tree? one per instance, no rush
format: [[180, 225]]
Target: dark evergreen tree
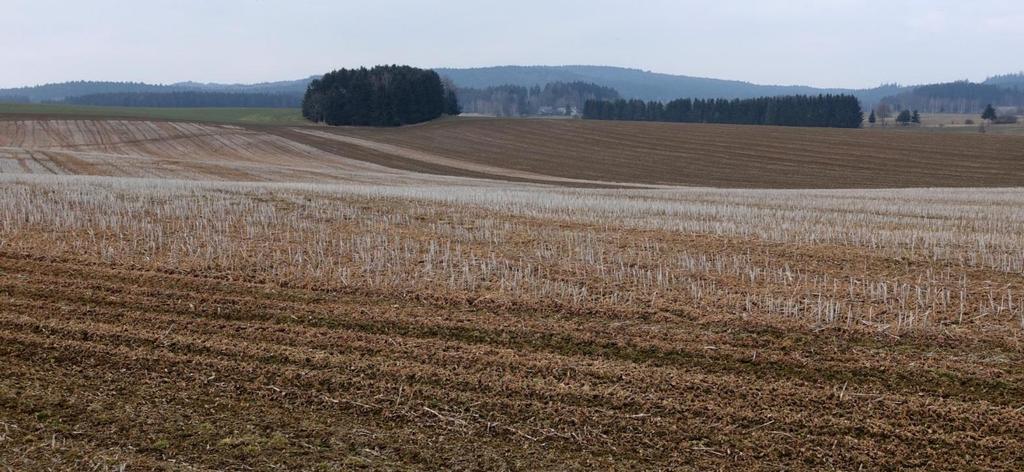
[[872, 119], [989, 113], [904, 117], [915, 118]]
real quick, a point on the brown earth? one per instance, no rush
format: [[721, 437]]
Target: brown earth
[[105, 365], [166, 328], [127, 148], [712, 155], [563, 152]]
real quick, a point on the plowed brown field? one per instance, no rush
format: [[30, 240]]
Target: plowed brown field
[[322, 312], [562, 152], [717, 155], [107, 366]]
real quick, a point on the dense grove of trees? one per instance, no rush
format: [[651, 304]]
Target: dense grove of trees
[[189, 100], [381, 96], [835, 111], [514, 100], [956, 97]]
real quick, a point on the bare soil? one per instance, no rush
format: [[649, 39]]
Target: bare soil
[[108, 365], [716, 155], [574, 153], [410, 315]]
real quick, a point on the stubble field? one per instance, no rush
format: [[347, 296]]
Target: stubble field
[[290, 305]]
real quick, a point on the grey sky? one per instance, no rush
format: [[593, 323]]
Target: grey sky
[[824, 43]]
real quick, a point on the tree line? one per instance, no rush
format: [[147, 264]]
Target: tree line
[[381, 96], [1013, 81], [956, 97], [564, 98], [57, 92], [187, 100], [833, 111], [15, 99]]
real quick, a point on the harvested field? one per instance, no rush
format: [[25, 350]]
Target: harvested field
[[194, 151], [718, 155], [204, 297], [297, 326], [166, 150]]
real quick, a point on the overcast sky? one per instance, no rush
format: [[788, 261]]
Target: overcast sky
[[842, 43]]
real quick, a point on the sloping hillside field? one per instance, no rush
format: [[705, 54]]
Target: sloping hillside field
[[508, 295], [562, 152], [164, 150], [717, 155]]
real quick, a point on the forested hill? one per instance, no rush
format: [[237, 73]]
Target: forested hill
[[289, 87], [53, 92], [189, 100], [1014, 81], [61, 91], [629, 83], [644, 85], [956, 97]]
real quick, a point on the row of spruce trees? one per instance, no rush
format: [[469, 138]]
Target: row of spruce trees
[[381, 96], [832, 111]]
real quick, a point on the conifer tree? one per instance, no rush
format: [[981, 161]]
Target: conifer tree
[[989, 113], [904, 117]]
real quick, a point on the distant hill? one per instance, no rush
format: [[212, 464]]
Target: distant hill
[[288, 87], [635, 83], [1015, 81], [629, 83], [54, 92], [58, 92], [956, 97], [189, 100], [14, 99]]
